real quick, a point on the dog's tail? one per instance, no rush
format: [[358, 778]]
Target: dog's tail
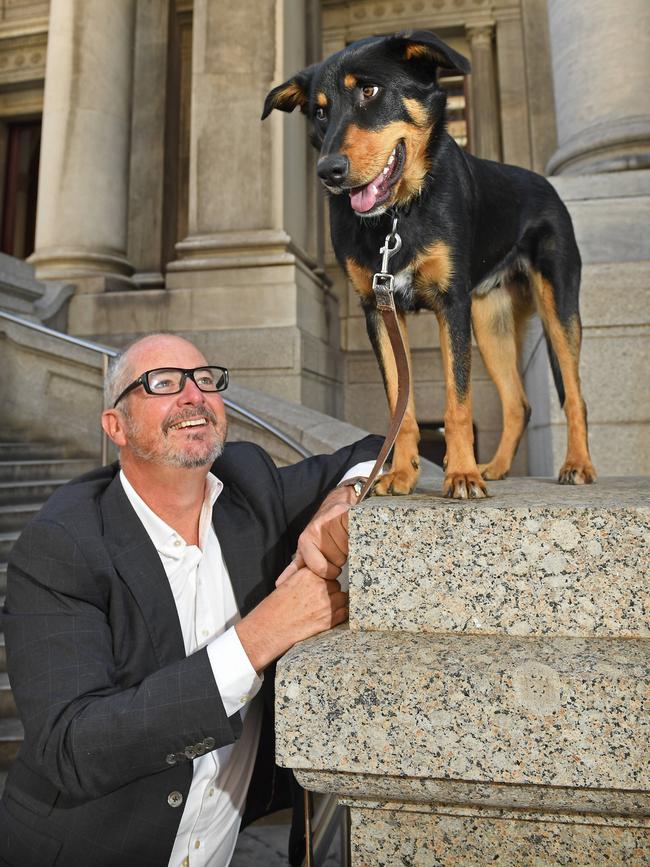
[[555, 367]]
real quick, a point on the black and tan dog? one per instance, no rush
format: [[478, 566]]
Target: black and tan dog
[[483, 244]]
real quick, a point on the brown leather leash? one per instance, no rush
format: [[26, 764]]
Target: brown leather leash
[[383, 284]]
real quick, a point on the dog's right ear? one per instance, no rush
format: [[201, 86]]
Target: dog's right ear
[[294, 93]]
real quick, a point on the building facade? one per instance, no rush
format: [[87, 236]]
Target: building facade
[[137, 169]]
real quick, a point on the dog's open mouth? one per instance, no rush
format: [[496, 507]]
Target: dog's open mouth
[[367, 198]]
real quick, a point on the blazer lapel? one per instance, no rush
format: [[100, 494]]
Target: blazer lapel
[[241, 539], [138, 564]]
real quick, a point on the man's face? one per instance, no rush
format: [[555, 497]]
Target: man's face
[[157, 427]]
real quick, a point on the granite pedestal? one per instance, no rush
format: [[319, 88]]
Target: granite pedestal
[[489, 702]]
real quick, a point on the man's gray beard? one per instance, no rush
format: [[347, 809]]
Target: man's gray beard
[[169, 457]]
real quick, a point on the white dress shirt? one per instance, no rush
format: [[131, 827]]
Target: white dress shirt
[[207, 611]]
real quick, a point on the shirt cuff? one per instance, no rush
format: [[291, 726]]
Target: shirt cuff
[[236, 678], [363, 469]]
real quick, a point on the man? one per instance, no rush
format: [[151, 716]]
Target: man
[[141, 614]]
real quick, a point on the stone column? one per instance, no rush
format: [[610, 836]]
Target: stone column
[[485, 135], [81, 231], [600, 54], [489, 701], [246, 260]]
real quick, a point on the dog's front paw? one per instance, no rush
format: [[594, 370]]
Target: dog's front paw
[[464, 486], [396, 482], [577, 473], [493, 471]]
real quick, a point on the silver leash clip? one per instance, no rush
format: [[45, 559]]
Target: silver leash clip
[[383, 282]]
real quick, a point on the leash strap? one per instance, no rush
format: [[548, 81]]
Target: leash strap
[[383, 284]]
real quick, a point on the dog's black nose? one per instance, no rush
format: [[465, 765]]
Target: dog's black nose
[[333, 170]]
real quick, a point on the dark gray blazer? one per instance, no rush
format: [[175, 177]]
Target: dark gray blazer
[[96, 659]]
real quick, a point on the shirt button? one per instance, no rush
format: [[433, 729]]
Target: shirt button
[[244, 699], [177, 543], [197, 844], [211, 792], [186, 862], [174, 799], [205, 633]]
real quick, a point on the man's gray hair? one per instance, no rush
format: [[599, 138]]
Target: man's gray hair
[[116, 376]]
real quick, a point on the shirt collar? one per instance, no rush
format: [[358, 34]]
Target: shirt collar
[[165, 539]]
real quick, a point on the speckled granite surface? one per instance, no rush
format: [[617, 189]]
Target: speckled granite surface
[[550, 712], [536, 558], [385, 838], [491, 701]]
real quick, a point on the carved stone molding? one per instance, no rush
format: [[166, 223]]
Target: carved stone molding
[[22, 58]]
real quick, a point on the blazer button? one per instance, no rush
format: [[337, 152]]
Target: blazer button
[[190, 752], [171, 759], [209, 743], [174, 799]]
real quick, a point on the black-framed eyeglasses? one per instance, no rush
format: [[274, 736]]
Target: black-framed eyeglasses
[[171, 380]]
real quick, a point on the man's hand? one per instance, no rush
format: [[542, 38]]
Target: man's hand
[[303, 606], [323, 544]]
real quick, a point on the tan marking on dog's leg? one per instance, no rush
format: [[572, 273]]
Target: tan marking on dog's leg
[[462, 478], [577, 468], [405, 468], [360, 277], [494, 328]]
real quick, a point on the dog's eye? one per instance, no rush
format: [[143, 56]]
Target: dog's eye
[[368, 91], [320, 114]]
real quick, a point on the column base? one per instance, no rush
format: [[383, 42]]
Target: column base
[[90, 271]]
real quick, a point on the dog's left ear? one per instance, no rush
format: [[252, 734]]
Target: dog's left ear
[[421, 44], [294, 93]]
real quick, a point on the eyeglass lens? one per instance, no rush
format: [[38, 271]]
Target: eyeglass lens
[[170, 380]]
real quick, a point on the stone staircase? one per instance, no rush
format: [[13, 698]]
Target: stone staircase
[[29, 474]]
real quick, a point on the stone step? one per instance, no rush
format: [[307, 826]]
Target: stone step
[[7, 542], [535, 558], [441, 714], [28, 492], [11, 737], [18, 451], [14, 517], [44, 470], [7, 704]]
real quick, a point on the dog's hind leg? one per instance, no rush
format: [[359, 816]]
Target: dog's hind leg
[[556, 297], [497, 319], [405, 466]]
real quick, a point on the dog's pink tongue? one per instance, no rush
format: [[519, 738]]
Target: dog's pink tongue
[[364, 199]]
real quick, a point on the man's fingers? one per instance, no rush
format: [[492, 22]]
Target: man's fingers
[[296, 564]]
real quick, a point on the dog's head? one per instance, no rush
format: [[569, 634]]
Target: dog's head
[[375, 109]]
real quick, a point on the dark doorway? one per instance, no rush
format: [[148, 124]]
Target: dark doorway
[[23, 144]]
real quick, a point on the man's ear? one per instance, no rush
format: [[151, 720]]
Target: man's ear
[[113, 427], [294, 93], [423, 45]]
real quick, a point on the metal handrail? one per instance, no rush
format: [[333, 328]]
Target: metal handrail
[[108, 352]]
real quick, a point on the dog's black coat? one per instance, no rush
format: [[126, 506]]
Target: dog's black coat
[[500, 225]]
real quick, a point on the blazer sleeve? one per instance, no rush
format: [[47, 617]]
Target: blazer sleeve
[[306, 483], [84, 731]]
